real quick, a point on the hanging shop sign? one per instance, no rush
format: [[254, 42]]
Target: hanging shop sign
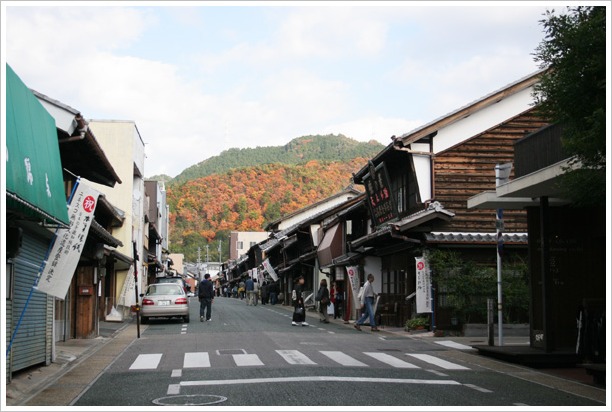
[[268, 268], [383, 206], [69, 243], [423, 286]]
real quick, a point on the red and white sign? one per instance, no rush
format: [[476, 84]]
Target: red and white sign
[[353, 274], [423, 286], [68, 246]]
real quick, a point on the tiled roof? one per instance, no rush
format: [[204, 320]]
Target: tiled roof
[[459, 237]]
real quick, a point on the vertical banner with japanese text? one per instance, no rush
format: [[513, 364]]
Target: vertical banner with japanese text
[[69, 243], [423, 286], [353, 274], [268, 268]]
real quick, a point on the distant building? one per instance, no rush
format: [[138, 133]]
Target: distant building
[[123, 145], [241, 242]]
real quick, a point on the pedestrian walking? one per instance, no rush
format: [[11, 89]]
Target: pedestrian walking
[[273, 289], [337, 298], [297, 296], [255, 293], [265, 293], [206, 295], [367, 302], [323, 299], [248, 287]]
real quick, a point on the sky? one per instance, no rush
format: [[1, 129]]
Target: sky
[[199, 78]]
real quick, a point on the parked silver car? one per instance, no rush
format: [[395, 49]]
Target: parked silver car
[[174, 279], [164, 300]]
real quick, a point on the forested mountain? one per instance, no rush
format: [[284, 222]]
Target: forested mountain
[[298, 151], [245, 189], [205, 210]]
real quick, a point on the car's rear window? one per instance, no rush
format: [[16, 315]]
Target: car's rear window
[[164, 289], [168, 280]]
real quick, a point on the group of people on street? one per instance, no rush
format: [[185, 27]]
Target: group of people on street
[[335, 297], [324, 296]]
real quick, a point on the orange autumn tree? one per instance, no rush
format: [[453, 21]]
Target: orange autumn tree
[[206, 209]]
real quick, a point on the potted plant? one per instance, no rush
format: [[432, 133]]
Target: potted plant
[[417, 323]]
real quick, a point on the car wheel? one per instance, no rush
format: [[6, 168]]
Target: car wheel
[[144, 319], [186, 318]]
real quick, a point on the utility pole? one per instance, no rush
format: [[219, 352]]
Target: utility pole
[[198, 264], [502, 174]]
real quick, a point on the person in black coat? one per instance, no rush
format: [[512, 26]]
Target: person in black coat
[[323, 299], [206, 294], [299, 311]]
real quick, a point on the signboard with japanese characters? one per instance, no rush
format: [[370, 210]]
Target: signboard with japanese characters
[[380, 198], [353, 274], [268, 268], [69, 243], [423, 286]]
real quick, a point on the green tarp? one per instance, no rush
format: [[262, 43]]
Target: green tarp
[[34, 180]]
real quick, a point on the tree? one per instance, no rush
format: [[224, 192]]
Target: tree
[[464, 286], [572, 92]]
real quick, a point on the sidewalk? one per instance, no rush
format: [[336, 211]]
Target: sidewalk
[[63, 381]]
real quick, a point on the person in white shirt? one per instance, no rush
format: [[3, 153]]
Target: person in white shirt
[[367, 301]]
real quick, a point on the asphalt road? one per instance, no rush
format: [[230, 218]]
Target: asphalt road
[[253, 356]]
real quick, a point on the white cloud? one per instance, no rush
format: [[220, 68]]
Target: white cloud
[[331, 32], [373, 128], [366, 72]]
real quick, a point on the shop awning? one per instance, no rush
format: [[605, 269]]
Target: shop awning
[[331, 246], [34, 179]]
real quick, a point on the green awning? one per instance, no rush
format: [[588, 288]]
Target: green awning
[[34, 179]]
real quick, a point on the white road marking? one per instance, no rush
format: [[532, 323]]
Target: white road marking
[[451, 344], [196, 360], [294, 357], [147, 361], [435, 372], [247, 359], [176, 373], [342, 358], [437, 361], [390, 360], [174, 389], [217, 382], [478, 388]]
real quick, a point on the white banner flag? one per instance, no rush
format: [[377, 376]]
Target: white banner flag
[[69, 243], [353, 274], [423, 286], [268, 268]]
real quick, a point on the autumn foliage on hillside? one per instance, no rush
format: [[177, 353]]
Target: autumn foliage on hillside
[[247, 199]]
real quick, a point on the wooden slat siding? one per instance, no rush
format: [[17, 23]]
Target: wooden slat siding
[[85, 303], [468, 169]]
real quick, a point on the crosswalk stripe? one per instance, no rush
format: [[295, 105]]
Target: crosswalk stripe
[[342, 358], [247, 359], [390, 360], [294, 357], [437, 361], [451, 344], [147, 361], [196, 360]]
